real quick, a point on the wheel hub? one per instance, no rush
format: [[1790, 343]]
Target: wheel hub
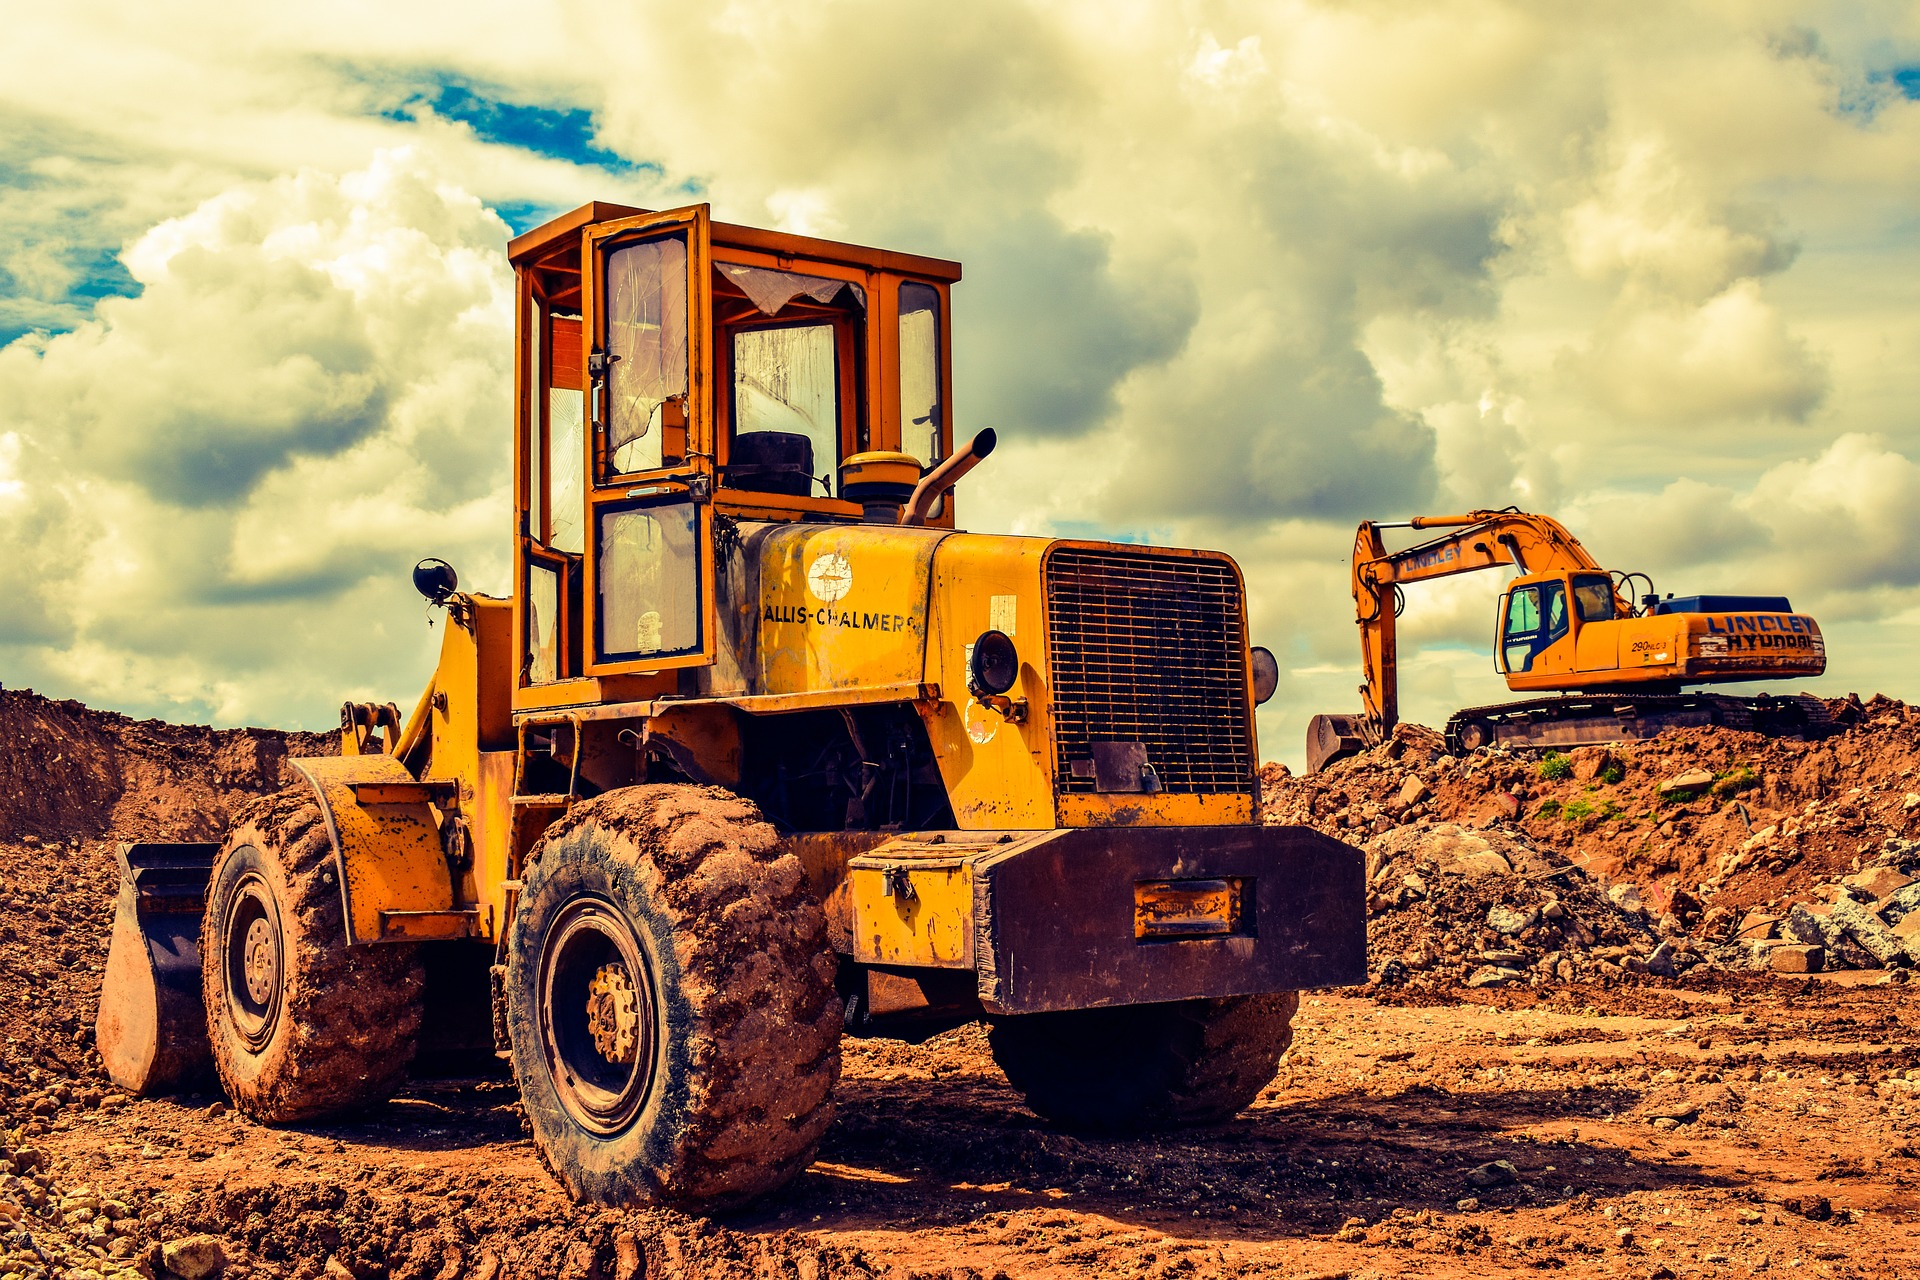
[[253, 963], [597, 1022], [612, 1018], [262, 960]]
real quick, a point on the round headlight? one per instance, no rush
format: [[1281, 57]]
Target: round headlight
[[1266, 674], [995, 666]]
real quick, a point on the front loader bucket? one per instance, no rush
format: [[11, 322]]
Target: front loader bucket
[[152, 1029], [1331, 738]]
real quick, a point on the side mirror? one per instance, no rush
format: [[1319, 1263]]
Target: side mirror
[[1266, 674]]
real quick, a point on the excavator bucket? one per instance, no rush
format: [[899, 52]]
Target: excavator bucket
[[152, 1029], [1334, 737]]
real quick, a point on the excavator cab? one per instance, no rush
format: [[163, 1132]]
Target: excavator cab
[[1541, 618]]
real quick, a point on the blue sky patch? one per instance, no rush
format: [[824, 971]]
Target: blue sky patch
[[558, 132], [522, 216], [105, 276]]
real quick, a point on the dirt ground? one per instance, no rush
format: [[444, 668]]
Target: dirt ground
[[1719, 1123]]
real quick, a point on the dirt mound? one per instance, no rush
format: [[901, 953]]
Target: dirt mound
[[1705, 822], [73, 781], [68, 770]]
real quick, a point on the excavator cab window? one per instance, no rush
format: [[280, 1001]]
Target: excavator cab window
[[1593, 597], [1536, 617], [1553, 602], [1523, 627]]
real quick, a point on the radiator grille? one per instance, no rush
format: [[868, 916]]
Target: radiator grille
[[1149, 648]]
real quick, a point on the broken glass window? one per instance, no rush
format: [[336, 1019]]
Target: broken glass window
[[646, 378], [565, 453], [535, 496], [543, 615], [772, 290], [920, 372], [649, 581]]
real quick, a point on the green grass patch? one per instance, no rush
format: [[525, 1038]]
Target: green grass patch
[[1578, 811], [1548, 809], [1556, 767], [1734, 781], [1613, 772]]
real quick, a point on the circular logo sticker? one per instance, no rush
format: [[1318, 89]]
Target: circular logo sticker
[[830, 577]]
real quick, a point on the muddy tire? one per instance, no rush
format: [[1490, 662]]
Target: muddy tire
[[676, 1034], [1145, 1066], [301, 1024]]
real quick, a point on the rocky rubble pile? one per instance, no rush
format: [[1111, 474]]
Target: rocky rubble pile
[[1869, 919], [1730, 848], [1488, 908]]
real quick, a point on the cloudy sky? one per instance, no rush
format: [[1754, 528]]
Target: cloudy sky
[[1237, 276]]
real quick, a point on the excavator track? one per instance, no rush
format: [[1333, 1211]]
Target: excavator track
[[1578, 720]]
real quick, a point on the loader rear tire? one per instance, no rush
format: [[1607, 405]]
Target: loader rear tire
[[671, 1003], [302, 1025], [1145, 1066]]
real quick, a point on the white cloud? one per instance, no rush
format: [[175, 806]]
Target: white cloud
[[223, 474], [1733, 356]]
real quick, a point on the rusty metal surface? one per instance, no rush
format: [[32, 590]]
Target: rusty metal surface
[[1057, 917], [390, 853], [1188, 908]]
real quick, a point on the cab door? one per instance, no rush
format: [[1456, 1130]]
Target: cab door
[[646, 326], [1536, 631]]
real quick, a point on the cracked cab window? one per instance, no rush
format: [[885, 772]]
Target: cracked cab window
[[643, 373], [920, 372]]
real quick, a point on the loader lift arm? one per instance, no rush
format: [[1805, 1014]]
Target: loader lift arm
[[1474, 541]]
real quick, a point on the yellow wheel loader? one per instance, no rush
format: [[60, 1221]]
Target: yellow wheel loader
[[762, 751], [1612, 668]]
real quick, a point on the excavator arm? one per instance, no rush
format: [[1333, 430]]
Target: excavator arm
[[1474, 541]]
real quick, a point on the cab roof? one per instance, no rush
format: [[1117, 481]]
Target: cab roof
[[535, 243]]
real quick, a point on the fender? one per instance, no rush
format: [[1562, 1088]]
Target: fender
[[395, 885]]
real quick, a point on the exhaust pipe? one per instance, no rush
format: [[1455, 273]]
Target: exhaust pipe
[[943, 477]]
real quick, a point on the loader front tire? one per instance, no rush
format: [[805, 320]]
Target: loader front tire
[[670, 998], [302, 1025], [1145, 1066]]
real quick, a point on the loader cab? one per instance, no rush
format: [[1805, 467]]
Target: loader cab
[[676, 376], [1539, 619]]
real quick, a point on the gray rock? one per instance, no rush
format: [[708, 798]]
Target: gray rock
[[1814, 928], [1511, 920], [1660, 963], [1492, 975], [1495, 1173], [1869, 930], [1627, 898], [1900, 904], [1506, 959]]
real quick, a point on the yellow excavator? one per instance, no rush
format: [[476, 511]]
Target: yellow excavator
[[1605, 667]]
